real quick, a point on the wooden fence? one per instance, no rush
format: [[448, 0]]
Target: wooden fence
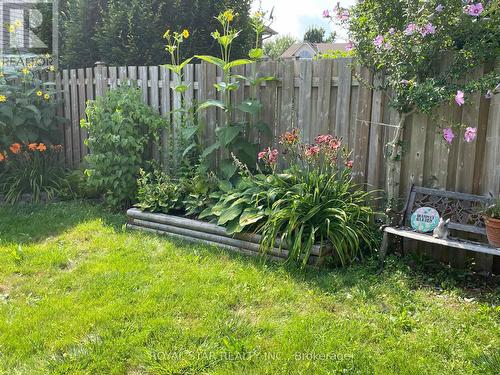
[[317, 97]]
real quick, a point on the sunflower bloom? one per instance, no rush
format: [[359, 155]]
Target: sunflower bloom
[[39, 93], [17, 23], [41, 147], [12, 28], [46, 96], [185, 33], [3, 98], [228, 15], [32, 146], [25, 71], [15, 148]]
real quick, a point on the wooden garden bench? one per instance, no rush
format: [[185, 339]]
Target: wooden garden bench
[[463, 210]]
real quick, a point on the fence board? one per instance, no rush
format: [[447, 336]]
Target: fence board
[[81, 109], [375, 146], [165, 111], [342, 117], [75, 122], [305, 102]]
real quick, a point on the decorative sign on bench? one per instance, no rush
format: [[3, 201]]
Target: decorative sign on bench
[[425, 219]]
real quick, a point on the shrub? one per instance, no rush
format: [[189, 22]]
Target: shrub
[[120, 126], [34, 169], [27, 107]]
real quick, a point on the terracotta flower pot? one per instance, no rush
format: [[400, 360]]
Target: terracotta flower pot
[[493, 230]]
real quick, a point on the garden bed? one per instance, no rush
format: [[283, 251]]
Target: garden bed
[[200, 231]]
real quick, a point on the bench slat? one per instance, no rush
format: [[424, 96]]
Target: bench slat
[[451, 194], [465, 245]]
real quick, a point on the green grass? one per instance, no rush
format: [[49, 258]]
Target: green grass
[[78, 294]]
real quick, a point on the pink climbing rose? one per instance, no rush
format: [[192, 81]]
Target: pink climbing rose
[[474, 9], [448, 135], [326, 13], [378, 41], [459, 98], [428, 29], [470, 134], [410, 29], [349, 46]]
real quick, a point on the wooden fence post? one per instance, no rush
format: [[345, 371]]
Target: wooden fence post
[[101, 78]]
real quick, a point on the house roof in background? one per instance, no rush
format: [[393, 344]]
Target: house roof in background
[[316, 47]]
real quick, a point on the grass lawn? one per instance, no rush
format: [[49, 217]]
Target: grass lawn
[[78, 294]]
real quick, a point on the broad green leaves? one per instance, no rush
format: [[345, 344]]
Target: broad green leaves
[[250, 106], [222, 64]]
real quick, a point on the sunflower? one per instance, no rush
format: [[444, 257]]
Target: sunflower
[[39, 93], [228, 15], [185, 33]]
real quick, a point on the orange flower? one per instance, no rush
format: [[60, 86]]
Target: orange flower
[[15, 148], [32, 146], [2, 156], [41, 147]]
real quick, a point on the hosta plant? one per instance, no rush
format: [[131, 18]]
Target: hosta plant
[[157, 192]]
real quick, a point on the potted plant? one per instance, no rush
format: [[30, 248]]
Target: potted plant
[[492, 221]]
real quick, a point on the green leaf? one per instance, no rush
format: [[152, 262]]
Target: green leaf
[[235, 63], [250, 106], [188, 149], [6, 111], [207, 212], [250, 216], [227, 134], [185, 62], [229, 214], [210, 149], [259, 80], [35, 111], [256, 53], [212, 60], [233, 227], [223, 86], [211, 103], [228, 168], [225, 186], [188, 132], [264, 129], [181, 88]]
